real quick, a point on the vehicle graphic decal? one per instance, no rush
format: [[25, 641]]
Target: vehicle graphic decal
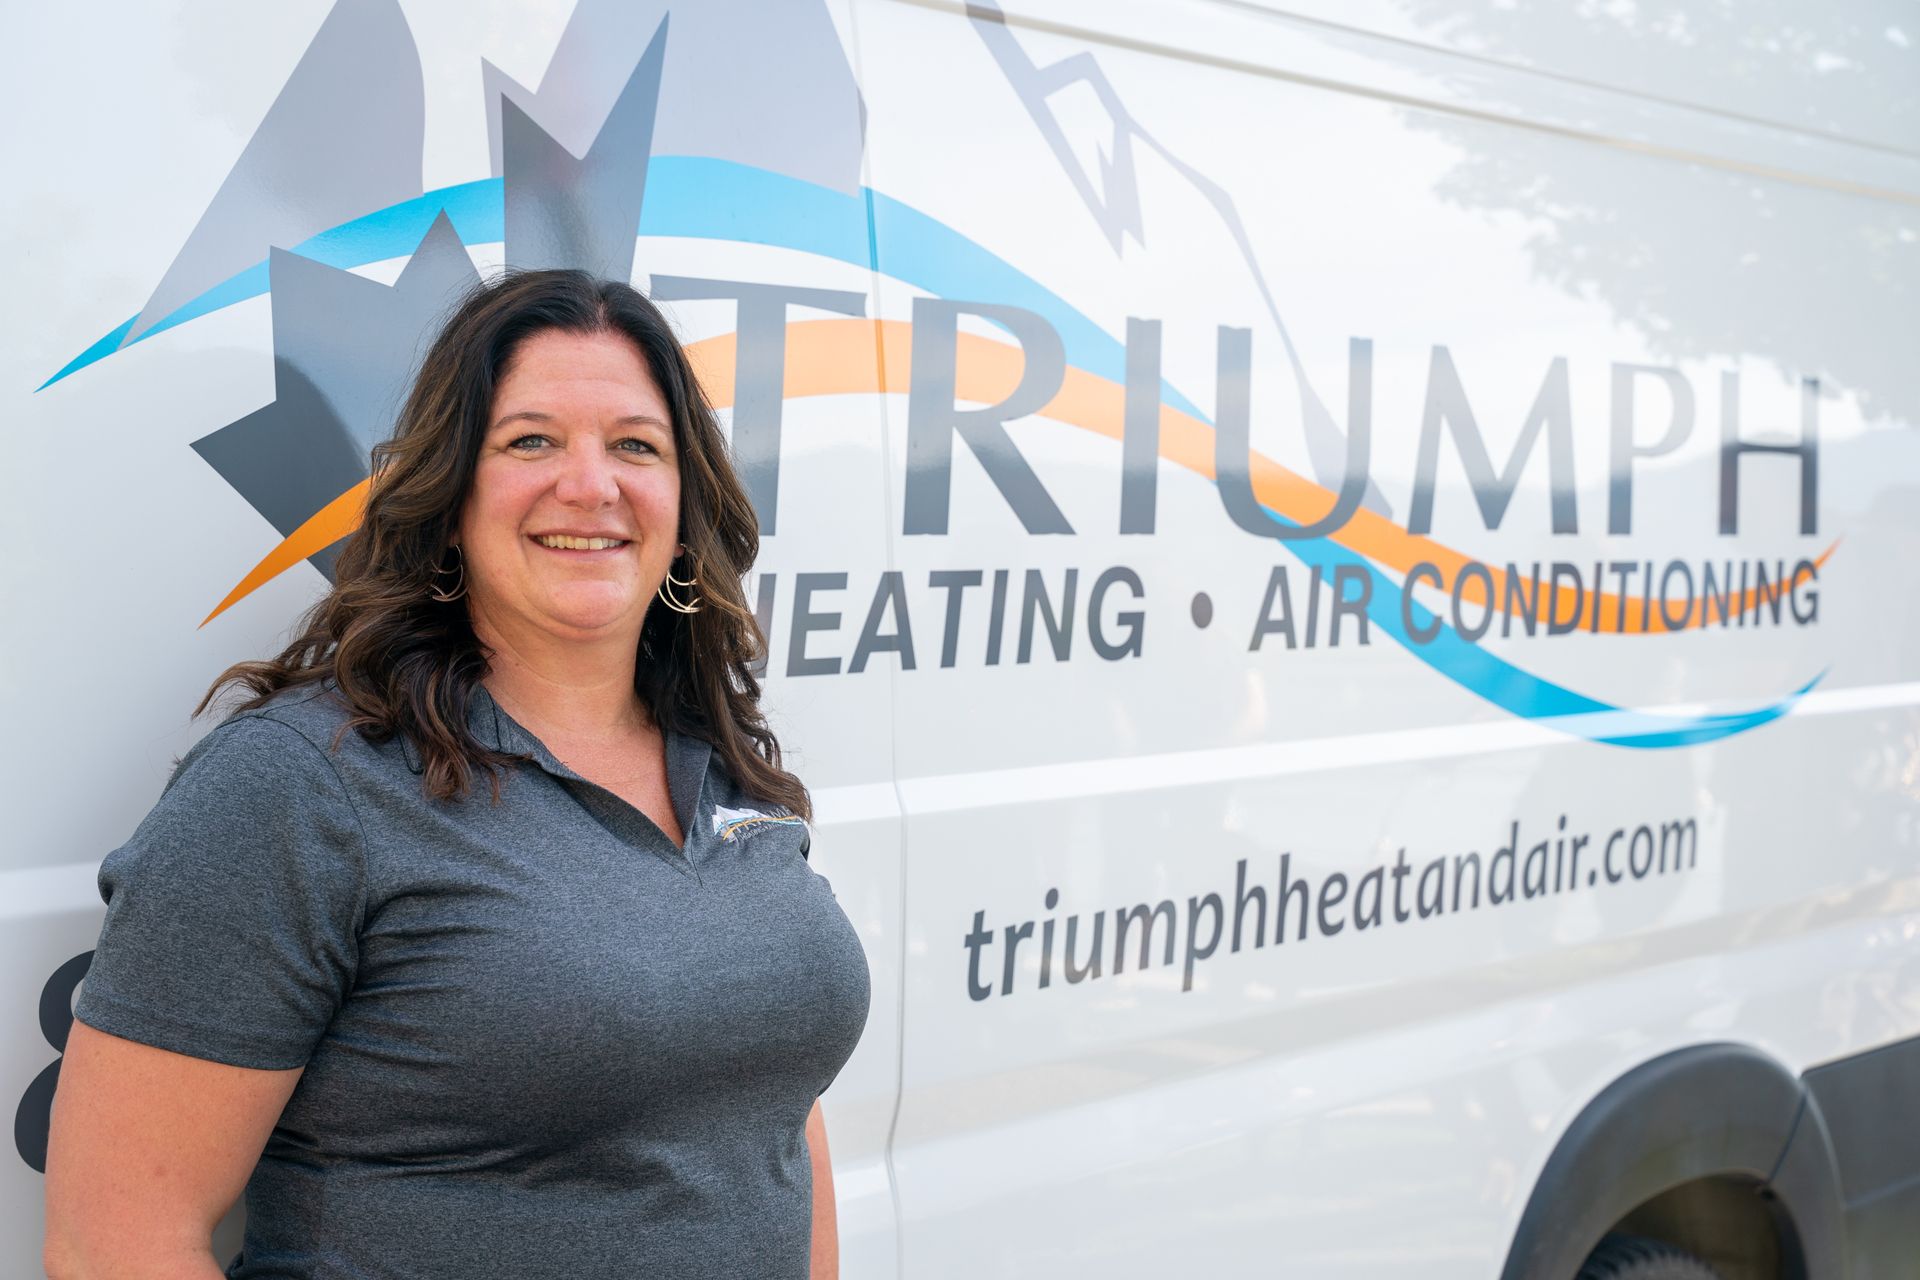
[[343, 346]]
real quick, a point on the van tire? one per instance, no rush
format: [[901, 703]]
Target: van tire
[[1635, 1258]]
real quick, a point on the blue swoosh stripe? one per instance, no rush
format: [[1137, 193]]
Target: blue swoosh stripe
[[703, 199], [1520, 692], [696, 197]]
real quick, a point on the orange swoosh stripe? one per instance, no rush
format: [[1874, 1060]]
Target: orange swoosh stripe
[[323, 528], [854, 357]]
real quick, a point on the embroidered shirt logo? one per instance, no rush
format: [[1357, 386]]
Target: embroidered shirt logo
[[730, 824]]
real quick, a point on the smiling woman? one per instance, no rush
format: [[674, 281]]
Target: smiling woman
[[589, 1014], [574, 514], [551, 404]]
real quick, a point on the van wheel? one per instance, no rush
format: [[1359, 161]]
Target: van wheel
[[1636, 1258]]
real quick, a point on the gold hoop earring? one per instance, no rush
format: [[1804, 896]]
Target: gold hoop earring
[[460, 588], [669, 599]]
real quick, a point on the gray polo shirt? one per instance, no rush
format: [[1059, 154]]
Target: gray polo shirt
[[539, 1040]]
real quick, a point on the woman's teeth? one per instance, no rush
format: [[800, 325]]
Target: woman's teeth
[[561, 541]]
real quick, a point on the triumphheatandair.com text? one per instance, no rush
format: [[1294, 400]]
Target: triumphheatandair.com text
[[1274, 906]]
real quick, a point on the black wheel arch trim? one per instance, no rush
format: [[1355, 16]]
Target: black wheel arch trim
[[1697, 1112]]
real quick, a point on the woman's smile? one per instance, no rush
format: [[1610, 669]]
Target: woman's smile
[[579, 544]]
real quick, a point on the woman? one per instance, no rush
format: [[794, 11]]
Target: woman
[[480, 941]]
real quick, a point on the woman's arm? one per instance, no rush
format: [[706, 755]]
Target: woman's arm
[[826, 1227], [146, 1152]]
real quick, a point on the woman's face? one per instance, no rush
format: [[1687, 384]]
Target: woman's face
[[579, 445]]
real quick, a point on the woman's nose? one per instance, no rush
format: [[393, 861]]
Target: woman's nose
[[587, 480]]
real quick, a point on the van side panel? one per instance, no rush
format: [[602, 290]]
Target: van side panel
[[1284, 905]]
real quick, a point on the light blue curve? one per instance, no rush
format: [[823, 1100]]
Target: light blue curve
[[1520, 692], [698, 197], [475, 209]]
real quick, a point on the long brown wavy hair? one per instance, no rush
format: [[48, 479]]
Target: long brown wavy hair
[[407, 664]]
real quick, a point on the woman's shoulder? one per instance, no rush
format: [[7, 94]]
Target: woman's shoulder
[[292, 734], [315, 711], [259, 776]]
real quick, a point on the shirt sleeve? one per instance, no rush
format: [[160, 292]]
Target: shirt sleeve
[[233, 911]]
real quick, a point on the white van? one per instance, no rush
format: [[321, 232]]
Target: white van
[[1344, 575]]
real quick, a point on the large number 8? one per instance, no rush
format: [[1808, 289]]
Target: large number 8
[[56, 1020]]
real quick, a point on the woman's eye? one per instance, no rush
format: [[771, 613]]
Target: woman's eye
[[527, 442], [639, 445]]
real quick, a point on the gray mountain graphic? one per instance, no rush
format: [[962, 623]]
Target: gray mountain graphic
[[344, 137], [584, 213], [765, 85], [346, 348]]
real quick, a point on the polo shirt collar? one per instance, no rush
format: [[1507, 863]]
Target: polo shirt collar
[[687, 756]]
